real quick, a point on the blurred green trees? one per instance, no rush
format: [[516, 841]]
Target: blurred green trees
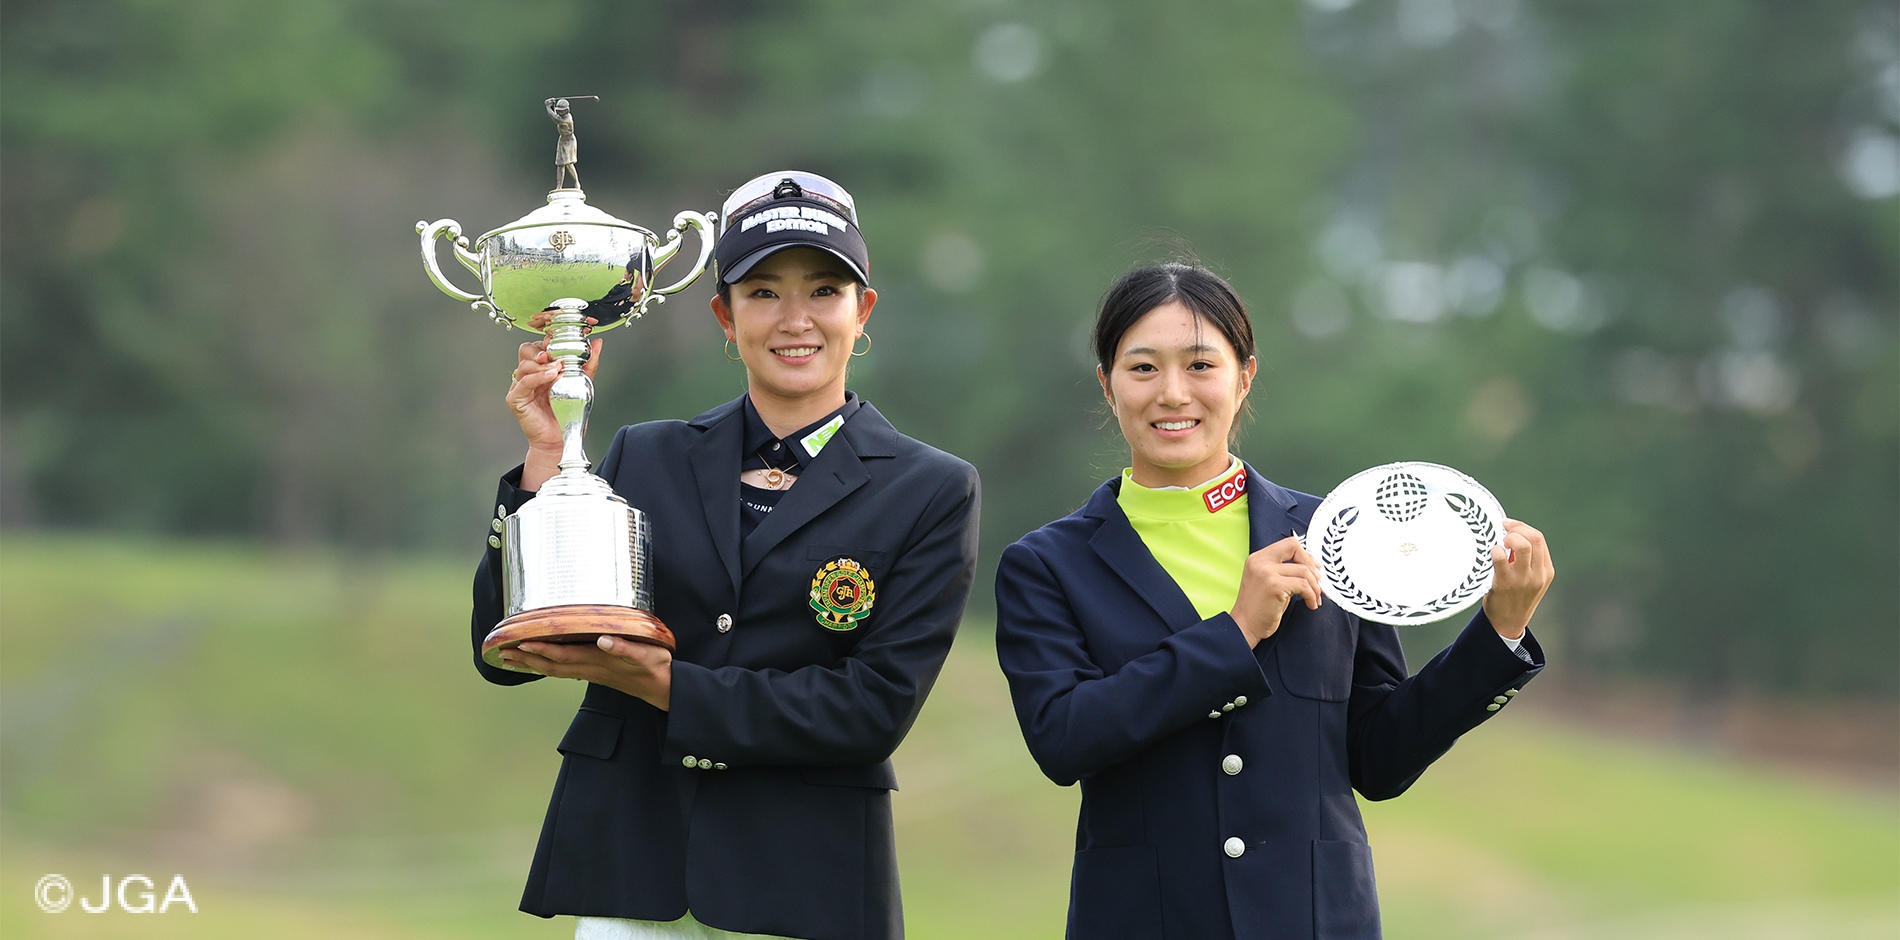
[[1633, 266]]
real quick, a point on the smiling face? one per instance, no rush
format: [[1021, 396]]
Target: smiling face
[[1176, 385], [794, 317]]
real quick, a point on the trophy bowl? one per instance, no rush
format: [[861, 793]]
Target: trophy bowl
[[566, 248]]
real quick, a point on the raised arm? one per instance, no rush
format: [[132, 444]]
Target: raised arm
[[527, 399], [1398, 725], [489, 607]]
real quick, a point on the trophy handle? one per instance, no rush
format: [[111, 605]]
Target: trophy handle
[[703, 223], [453, 230]]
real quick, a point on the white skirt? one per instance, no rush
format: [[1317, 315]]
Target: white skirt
[[686, 928]]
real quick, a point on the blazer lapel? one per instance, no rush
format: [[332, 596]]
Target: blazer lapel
[[1270, 509], [1121, 548], [831, 477], [715, 461]]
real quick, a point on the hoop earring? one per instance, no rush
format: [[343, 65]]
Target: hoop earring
[[729, 355], [867, 344]]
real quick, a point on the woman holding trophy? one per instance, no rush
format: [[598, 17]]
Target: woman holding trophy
[[1156, 653], [812, 563]]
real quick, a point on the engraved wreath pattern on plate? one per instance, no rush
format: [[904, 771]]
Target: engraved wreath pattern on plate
[[1332, 544]]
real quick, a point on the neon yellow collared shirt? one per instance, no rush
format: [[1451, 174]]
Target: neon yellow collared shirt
[[1199, 534]]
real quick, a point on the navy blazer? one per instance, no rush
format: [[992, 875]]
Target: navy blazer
[[1217, 780], [761, 801]]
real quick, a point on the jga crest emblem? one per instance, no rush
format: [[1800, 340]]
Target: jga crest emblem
[[842, 594]]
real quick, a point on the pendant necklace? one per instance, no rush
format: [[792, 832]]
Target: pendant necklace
[[774, 476]]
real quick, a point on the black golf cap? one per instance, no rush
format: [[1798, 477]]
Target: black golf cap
[[788, 209]]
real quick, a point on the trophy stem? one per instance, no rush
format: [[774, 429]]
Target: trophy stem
[[572, 395]]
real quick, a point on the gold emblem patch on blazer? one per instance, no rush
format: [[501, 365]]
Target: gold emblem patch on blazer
[[841, 594]]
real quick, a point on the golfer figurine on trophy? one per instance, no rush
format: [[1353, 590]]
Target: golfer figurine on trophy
[[576, 558]]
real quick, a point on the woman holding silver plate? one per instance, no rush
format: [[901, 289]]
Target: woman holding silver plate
[[1156, 653], [811, 562]]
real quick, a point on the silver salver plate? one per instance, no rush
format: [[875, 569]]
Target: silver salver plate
[[1406, 543]]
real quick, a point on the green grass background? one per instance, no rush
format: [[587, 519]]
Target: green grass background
[[301, 736]]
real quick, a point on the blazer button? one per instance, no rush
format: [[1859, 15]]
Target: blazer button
[[724, 623], [719, 767], [689, 761], [1232, 764], [501, 512], [705, 764], [1511, 692], [1213, 714], [1240, 700], [1227, 707], [1500, 699], [1234, 848], [494, 541], [1492, 707]]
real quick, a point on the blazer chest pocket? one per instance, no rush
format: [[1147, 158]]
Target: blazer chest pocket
[[1315, 650], [593, 734], [878, 776]]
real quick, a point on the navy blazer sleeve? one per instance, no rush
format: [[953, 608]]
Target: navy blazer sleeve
[[1397, 725], [1076, 718], [858, 711], [854, 713], [488, 608]]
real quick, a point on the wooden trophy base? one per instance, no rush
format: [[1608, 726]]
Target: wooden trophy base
[[573, 623]]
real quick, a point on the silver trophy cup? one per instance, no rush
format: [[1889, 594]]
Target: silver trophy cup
[[577, 560]]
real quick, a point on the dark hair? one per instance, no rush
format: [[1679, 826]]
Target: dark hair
[[1198, 289]]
